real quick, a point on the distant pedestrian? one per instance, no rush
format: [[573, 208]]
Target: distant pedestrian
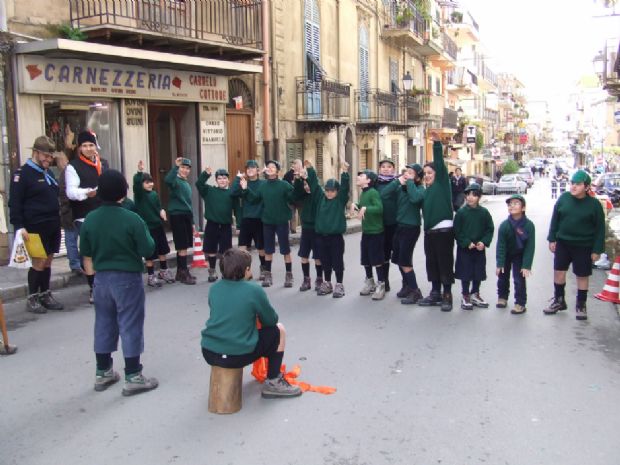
[[458, 185], [554, 187], [562, 183]]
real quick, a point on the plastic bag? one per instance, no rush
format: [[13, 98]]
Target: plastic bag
[[19, 255]]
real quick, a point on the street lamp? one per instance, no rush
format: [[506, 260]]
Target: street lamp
[[407, 82]]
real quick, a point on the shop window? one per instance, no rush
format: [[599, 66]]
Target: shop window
[[64, 120]]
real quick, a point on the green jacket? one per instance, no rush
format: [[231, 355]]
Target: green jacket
[[234, 307], [373, 218], [147, 203], [249, 208], [473, 225], [579, 222], [276, 195], [220, 204], [309, 202], [330, 214], [438, 196], [180, 200], [117, 248], [409, 200], [389, 197], [507, 244]]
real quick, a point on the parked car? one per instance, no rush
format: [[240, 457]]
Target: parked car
[[608, 184], [510, 184], [487, 184], [526, 175]]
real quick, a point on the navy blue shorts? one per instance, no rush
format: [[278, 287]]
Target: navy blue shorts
[[161, 242], [388, 240], [471, 264], [217, 238], [331, 250], [182, 231], [308, 243], [270, 231], [371, 249], [251, 229], [580, 257], [267, 345], [405, 240]]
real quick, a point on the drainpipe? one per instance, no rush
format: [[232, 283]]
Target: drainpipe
[[266, 4]]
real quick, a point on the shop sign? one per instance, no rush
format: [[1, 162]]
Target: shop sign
[[40, 75], [212, 132], [471, 134], [134, 112]]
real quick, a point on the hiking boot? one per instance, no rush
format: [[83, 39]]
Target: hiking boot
[[326, 288], [261, 274], [518, 310], [47, 300], [137, 383], [179, 275], [501, 303], [105, 378], [369, 287], [432, 300], [581, 312], [212, 275], [557, 304], [191, 276], [91, 296], [152, 281], [33, 304], [186, 277], [288, 279], [412, 298], [466, 303], [317, 283], [446, 302], [306, 285], [279, 387], [478, 301], [404, 292], [267, 279], [379, 293], [338, 291], [165, 275]]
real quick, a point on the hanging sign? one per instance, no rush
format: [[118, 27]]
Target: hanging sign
[[471, 134]]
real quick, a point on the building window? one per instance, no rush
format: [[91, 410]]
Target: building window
[[396, 154], [363, 70], [394, 76], [319, 159], [294, 149]]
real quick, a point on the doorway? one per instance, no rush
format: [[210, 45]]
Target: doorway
[[239, 140]]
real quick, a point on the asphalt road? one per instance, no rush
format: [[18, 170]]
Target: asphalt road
[[414, 385]]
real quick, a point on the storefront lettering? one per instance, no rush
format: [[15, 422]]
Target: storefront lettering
[[134, 112], [202, 80], [102, 76]]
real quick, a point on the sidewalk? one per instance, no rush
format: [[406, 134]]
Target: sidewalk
[[14, 286]]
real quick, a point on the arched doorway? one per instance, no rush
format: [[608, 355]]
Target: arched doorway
[[239, 126], [348, 147]]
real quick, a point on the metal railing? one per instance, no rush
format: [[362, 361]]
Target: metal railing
[[450, 119], [414, 22], [237, 22], [374, 106], [322, 100], [449, 46]]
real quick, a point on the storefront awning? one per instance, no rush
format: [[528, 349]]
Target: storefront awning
[[64, 48]]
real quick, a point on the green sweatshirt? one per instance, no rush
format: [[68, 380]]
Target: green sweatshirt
[[409, 201], [147, 203], [275, 195], [234, 307], [180, 201], [249, 208], [220, 204], [117, 248], [507, 244], [330, 215], [473, 225], [390, 202], [438, 196], [579, 222], [309, 202], [373, 218]]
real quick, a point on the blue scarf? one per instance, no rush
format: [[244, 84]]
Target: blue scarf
[[521, 234], [48, 177]]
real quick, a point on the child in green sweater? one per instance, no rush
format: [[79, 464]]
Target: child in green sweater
[[230, 338], [473, 230], [516, 240], [149, 208], [369, 209]]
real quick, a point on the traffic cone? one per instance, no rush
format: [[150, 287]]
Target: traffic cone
[[198, 255], [610, 290]]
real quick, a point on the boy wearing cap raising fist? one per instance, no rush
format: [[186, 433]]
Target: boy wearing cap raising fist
[[577, 235], [220, 205], [390, 206]]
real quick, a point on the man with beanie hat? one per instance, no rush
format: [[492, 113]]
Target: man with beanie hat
[[81, 176], [116, 255]]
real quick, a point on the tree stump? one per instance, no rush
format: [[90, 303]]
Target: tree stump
[[225, 390]]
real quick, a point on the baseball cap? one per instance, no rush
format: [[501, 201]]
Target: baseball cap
[[44, 144], [516, 197], [222, 172], [332, 185], [581, 176], [251, 164]]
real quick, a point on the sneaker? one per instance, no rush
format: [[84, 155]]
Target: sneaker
[[91, 297], [338, 291], [432, 300], [501, 303], [33, 304], [261, 274], [279, 387], [152, 281], [379, 293], [413, 298], [186, 277], [518, 309], [369, 287], [288, 279], [317, 283], [326, 288], [165, 275], [106, 378], [404, 292], [306, 285], [581, 312], [557, 304], [47, 300], [137, 383], [446, 302], [212, 275], [478, 301], [466, 303], [267, 279], [191, 276]]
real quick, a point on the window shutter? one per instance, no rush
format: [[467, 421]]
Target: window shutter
[[319, 159]]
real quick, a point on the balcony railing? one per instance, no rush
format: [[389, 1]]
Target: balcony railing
[[450, 119], [323, 100], [378, 107], [449, 46], [413, 22], [233, 22]]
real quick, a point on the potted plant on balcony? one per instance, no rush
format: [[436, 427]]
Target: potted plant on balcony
[[456, 17], [404, 15]]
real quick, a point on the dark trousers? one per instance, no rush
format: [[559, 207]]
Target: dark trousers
[[439, 251], [514, 263]]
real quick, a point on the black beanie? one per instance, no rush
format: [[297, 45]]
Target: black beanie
[[112, 186], [86, 136]]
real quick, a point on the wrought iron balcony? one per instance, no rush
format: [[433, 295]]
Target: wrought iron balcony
[[323, 100], [450, 119], [195, 27], [376, 107], [405, 24]]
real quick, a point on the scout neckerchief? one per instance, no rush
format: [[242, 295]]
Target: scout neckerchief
[[48, 177], [96, 164]]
